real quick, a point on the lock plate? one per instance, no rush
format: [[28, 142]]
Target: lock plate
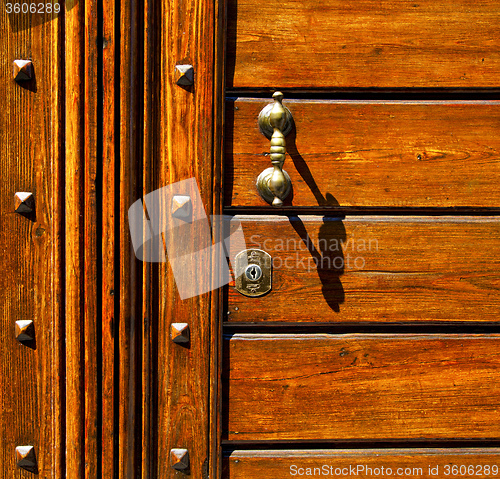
[[253, 272]]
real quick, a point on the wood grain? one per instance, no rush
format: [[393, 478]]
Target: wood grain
[[109, 240], [129, 328], [75, 158], [247, 464], [149, 271], [372, 269], [370, 153], [370, 387], [189, 147], [31, 139], [217, 306], [337, 44], [92, 311]]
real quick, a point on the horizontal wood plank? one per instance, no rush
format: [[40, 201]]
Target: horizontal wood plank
[[369, 387], [368, 43], [362, 463], [379, 269], [367, 153]]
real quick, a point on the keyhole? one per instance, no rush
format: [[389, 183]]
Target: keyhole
[[253, 272]]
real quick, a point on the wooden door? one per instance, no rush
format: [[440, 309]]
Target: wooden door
[[376, 347], [375, 353]]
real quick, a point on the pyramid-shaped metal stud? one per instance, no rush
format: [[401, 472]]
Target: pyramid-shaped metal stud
[[179, 459], [25, 330], [184, 75], [24, 202], [179, 332], [22, 70], [181, 207], [26, 458]]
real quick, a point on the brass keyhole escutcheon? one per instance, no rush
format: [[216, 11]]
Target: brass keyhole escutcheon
[[252, 268]]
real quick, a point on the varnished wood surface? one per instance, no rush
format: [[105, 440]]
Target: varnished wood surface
[[91, 212], [382, 269], [81, 230], [423, 463], [332, 44], [369, 387], [109, 242], [188, 146], [31, 132], [130, 320], [217, 304], [369, 153], [74, 242], [149, 281]]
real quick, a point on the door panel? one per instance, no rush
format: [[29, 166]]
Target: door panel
[[31, 246], [371, 153], [333, 43], [352, 387], [286, 378], [370, 268], [363, 463]]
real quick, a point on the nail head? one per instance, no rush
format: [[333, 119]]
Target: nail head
[[22, 70], [24, 202], [179, 332], [184, 75], [179, 459]]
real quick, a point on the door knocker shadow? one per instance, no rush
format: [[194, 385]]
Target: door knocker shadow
[[327, 255], [327, 251]]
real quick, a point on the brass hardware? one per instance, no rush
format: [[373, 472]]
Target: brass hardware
[[179, 332], [252, 269], [275, 122], [22, 70], [184, 75], [24, 202], [25, 330], [182, 207], [26, 458], [179, 459]]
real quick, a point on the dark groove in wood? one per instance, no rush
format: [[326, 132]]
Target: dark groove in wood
[[229, 446], [341, 211], [360, 327], [117, 258], [99, 234], [444, 94]]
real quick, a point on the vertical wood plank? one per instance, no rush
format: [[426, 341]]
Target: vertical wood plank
[[30, 286], [109, 455], [51, 253], [186, 150], [149, 322], [130, 321], [30, 141], [81, 233], [215, 397], [74, 231], [90, 239]]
